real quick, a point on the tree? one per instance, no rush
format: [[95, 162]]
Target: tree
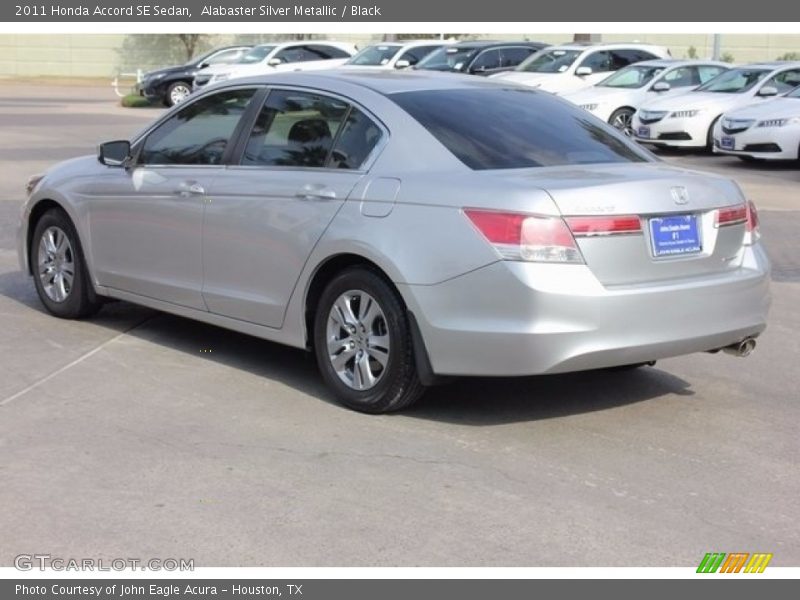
[[191, 43], [155, 50]]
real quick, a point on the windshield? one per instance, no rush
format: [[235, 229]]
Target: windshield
[[631, 77], [256, 55], [549, 61], [735, 81], [374, 56], [200, 59], [502, 128], [447, 59]]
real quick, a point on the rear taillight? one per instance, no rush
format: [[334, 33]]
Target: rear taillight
[[752, 232], [731, 215], [531, 238]]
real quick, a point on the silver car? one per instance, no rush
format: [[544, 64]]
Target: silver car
[[403, 227]]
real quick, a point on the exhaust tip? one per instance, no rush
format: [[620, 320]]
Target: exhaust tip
[[741, 349]]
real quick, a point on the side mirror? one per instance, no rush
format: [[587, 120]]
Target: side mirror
[[480, 69], [114, 154], [661, 86], [583, 71], [274, 62], [203, 65], [767, 91], [402, 64]]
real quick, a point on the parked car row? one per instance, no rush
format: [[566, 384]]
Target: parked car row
[[637, 88]]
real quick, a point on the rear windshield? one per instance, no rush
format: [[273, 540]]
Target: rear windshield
[[508, 128]]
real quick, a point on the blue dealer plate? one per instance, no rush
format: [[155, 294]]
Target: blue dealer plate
[[727, 143], [643, 132], [674, 235]]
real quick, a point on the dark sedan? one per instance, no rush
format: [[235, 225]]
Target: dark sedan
[[171, 85], [479, 57]]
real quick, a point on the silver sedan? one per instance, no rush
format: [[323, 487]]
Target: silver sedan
[[403, 227]]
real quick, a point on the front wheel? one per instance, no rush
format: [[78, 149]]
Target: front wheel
[[59, 270], [622, 120], [363, 345], [710, 135], [177, 93]]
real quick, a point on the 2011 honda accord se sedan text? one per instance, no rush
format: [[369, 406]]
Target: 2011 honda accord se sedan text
[[403, 226]]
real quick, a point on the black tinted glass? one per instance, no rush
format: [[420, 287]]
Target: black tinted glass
[[509, 128], [356, 141], [294, 129], [198, 134]]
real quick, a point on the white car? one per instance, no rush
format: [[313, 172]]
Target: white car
[[286, 56], [394, 55], [769, 130], [687, 120], [572, 67], [617, 97]]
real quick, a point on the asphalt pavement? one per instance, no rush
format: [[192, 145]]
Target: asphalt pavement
[[140, 434]]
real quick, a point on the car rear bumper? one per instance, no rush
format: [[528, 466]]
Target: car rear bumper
[[513, 318]]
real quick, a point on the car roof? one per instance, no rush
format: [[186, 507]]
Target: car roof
[[382, 82], [774, 64], [410, 43], [492, 43], [608, 46], [303, 43], [678, 62]]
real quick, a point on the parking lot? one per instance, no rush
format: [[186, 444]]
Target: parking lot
[[140, 434]]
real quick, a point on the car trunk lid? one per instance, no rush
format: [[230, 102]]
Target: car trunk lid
[[637, 224]]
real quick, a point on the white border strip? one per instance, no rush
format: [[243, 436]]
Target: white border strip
[[298, 573], [338, 27]]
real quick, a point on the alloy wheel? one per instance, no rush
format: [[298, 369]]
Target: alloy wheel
[[358, 340], [56, 264]]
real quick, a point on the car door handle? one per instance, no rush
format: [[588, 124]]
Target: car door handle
[[190, 188], [316, 192]]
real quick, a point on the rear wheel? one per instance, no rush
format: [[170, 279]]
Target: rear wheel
[[363, 345], [59, 270], [621, 119]]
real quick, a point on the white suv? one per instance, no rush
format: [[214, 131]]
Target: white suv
[[572, 67], [283, 56]]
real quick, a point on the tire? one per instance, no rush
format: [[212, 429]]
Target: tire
[[710, 136], [363, 344], [177, 93], [56, 250], [620, 119]]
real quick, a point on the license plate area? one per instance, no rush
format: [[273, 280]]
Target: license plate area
[[674, 235], [643, 132], [727, 142]]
